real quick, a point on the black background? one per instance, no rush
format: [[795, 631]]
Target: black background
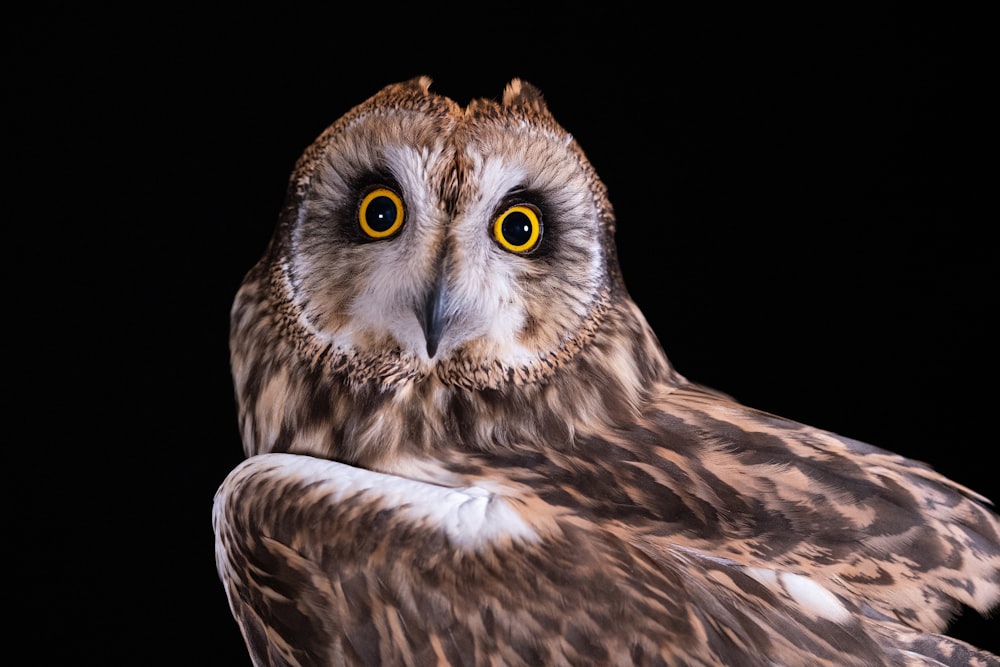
[[800, 196]]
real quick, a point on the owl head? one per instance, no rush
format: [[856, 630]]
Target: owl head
[[430, 255]]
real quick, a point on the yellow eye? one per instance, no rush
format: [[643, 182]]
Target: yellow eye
[[381, 213], [519, 228]]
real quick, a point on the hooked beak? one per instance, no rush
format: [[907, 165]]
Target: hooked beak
[[431, 314]]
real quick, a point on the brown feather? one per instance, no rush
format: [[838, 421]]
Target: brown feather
[[544, 488]]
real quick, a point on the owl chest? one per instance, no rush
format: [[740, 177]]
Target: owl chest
[[426, 419]]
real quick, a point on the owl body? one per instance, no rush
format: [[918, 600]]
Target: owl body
[[466, 445]]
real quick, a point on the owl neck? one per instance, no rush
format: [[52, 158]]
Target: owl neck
[[294, 398], [605, 384]]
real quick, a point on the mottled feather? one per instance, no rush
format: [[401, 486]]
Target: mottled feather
[[539, 485]]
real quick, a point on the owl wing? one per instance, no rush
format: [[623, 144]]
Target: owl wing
[[328, 564], [881, 527]]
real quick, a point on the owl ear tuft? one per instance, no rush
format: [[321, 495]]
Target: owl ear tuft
[[421, 84], [415, 88], [527, 100], [519, 93]]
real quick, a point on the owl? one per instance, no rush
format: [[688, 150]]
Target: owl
[[466, 446]]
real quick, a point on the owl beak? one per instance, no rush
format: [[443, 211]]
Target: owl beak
[[432, 315]]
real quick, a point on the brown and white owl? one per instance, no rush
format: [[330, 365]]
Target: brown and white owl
[[465, 445]]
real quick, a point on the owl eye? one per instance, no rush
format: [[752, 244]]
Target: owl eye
[[519, 228], [380, 213]]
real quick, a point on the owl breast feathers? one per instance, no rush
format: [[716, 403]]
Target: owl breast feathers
[[465, 445]]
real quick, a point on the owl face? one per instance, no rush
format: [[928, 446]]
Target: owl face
[[448, 240], [431, 256]]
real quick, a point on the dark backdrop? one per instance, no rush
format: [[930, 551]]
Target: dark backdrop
[[800, 210]]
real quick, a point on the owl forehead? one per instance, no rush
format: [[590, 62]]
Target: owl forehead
[[444, 143], [449, 140]]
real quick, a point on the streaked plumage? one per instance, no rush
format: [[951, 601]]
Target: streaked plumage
[[472, 450]]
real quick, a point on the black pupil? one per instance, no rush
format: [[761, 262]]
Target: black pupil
[[381, 213], [516, 228]]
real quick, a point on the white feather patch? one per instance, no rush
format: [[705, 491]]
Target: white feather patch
[[472, 517], [811, 596]]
